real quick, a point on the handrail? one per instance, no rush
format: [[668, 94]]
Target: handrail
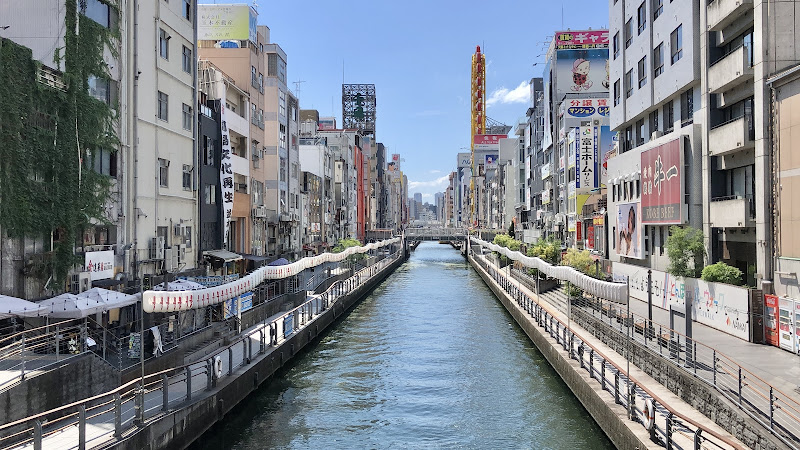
[[616, 366]]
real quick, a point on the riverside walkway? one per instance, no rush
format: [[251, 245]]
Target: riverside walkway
[[113, 416]]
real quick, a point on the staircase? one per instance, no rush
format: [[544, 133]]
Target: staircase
[[217, 337]]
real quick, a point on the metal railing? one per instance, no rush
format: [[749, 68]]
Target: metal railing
[[769, 406], [667, 426], [133, 403]]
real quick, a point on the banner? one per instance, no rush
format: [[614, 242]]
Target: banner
[[586, 179], [225, 176], [662, 184], [629, 234]]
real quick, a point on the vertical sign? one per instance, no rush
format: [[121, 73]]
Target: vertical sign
[[586, 156], [225, 176], [662, 184]]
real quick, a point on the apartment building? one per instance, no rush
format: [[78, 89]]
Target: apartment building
[[655, 179]]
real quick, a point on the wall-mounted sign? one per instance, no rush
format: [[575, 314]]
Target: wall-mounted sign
[[100, 265], [587, 108], [662, 184], [487, 141], [225, 175]]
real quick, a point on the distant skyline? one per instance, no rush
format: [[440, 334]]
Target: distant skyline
[[418, 56]]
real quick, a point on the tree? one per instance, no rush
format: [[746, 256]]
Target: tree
[[547, 249], [722, 273], [579, 260], [347, 243], [686, 250]]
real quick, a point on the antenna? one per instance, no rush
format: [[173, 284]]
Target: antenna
[[297, 88]]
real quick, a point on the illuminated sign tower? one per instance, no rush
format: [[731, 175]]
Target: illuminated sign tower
[[478, 124]]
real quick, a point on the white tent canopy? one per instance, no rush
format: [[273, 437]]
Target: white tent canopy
[[12, 306], [93, 301], [179, 285]]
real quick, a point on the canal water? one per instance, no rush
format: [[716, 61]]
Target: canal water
[[430, 359]]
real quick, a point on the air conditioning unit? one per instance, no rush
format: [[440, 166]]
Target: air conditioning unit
[[84, 281], [241, 187], [157, 248], [260, 211], [168, 261], [656, 134]]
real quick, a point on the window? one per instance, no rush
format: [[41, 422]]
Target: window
[[187, 236], [187, 177], [628, 32], [653, 121], [210, 194], [283, 169], [641, 17], [642, 67], [282, 103], [253, 77], [687, 107], [187, 117], [628, 144], [669, 117], [282, 136], [187, 9], [615, 44], [260, 82], [104, 162], [676, 44], [163, 43], [163, 172], [629, 83], [272, 65], [616, 92], [97, 11], [658, 60], [187, 59], [163, 106], [661, 242], [658, 8], [208, 151], [640, 132], [100, 88]]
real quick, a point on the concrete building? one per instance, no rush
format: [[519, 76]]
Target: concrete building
[[655, 70]]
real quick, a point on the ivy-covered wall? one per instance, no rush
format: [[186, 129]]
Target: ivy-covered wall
[[47, 138]]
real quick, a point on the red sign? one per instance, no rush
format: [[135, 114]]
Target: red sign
[[578, 230], [771, 320], [590, 237], [662, 184], [487, 141], [581, 39]]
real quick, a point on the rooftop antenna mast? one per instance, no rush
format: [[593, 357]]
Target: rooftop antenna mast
[[297, 88]]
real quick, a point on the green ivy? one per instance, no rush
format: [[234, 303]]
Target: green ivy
[[47, 137]]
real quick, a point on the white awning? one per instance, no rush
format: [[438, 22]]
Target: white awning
[[93, 301], [223, 255], [12, 306]]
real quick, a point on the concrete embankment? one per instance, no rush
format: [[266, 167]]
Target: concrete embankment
[[611, 417], [180, 427]]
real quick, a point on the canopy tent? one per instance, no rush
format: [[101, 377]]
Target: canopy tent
[[279, 262], [178, 285], [93, 301], [12, 306], [223, 255]]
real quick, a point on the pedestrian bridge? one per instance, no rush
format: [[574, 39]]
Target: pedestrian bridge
[[436, 234]]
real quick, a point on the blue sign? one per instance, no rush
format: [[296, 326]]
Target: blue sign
[[288, 325], [582, 111], [246, 301]]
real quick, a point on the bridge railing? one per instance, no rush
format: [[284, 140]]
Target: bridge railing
[[666, 425], [436, 233], [109, 415]]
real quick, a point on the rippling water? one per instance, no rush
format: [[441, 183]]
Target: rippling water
[[429, 359]]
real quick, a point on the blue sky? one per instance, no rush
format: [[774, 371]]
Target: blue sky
[[418, 54]]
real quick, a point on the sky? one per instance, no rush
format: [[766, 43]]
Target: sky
[[418, 55]]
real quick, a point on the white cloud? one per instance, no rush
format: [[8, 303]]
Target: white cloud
[[434, 171], [437, 185], [520, 94]]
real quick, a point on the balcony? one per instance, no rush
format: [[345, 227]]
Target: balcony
[[733, 69], [721, 13], [733, 136], [732, 212]]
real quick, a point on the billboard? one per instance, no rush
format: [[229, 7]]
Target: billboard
[[629, 236], [326, 123], [586, 108], [487, 141], [464, 160], [490, 161], [582, 71], [662, 184], [222, 22], [225, 174], [100, 265], [359, 106], [606, 145], [581, 39], [586, 177]]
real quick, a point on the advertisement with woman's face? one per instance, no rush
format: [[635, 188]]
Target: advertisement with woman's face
[[629, 231]]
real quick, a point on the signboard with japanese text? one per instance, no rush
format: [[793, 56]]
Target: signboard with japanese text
[[490, 161], [224, 22], [587, 108], [590, 237], [225, 176], [487, 141], [581, 39], [662, 184], [100, 265], [586, 179]]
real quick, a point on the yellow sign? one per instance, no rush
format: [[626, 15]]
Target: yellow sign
[[222, 22]]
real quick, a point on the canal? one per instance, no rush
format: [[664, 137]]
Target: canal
[[429, 359]]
